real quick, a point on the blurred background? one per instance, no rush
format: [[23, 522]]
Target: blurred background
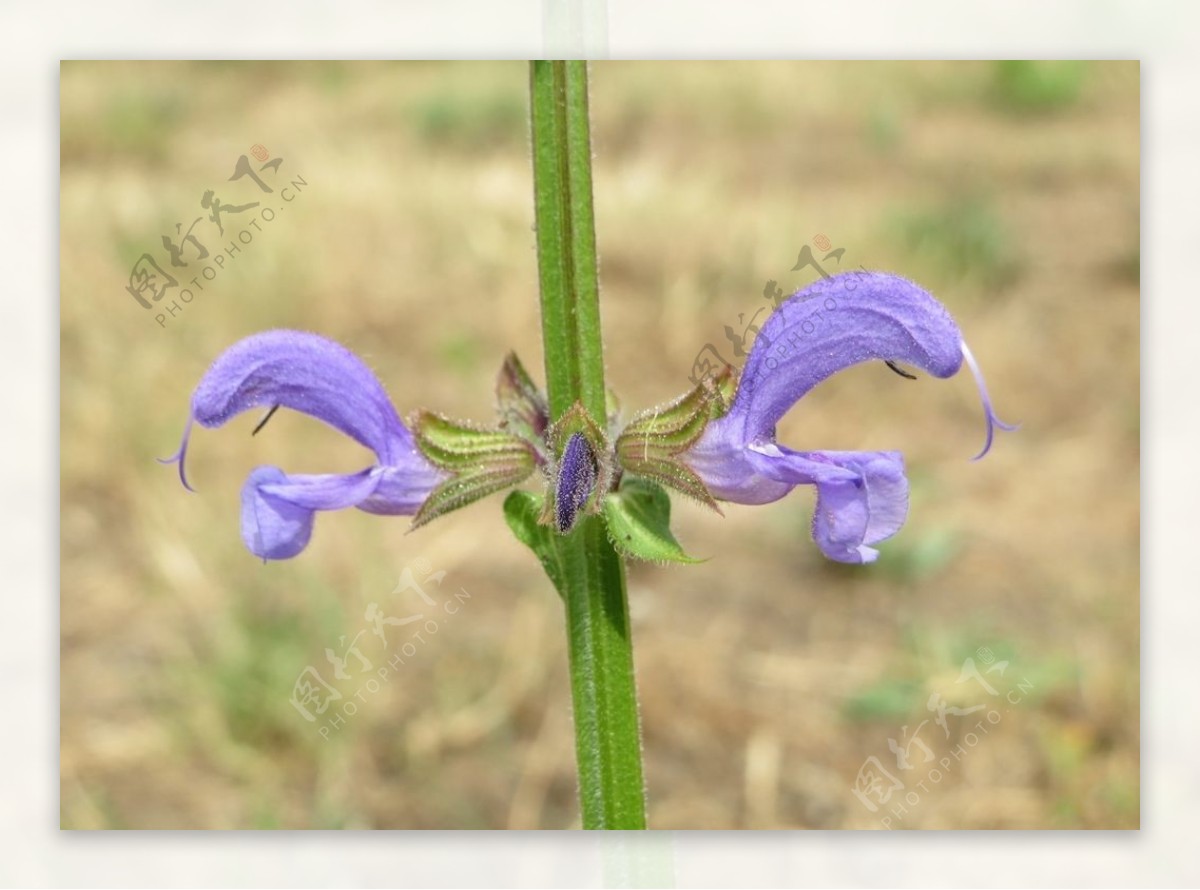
[[984, 673]]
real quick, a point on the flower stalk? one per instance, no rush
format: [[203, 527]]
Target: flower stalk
[[590, 573]]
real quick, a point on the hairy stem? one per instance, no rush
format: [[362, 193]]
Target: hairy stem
[[607, 736], [566, 237]]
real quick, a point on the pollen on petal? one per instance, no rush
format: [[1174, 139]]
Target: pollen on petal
[[989, 413]]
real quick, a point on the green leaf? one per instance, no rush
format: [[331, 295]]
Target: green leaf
[[521, 512], [639, 523]]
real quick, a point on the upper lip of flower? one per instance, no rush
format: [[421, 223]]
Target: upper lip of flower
[[314, 375], [835, 323]]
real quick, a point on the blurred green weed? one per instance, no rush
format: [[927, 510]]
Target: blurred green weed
[[1023, 85], [470, 122], [961, 238]]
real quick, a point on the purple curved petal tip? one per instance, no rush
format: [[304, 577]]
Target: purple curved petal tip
[[180, 456], [989, 413]]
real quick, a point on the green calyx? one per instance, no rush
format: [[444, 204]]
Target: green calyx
[[621, 481], [522, 407], [479, 461], [650, 445]]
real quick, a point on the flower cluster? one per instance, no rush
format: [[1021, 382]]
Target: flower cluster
[[716, 443]]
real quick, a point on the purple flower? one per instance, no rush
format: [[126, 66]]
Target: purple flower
[[308, 373], [576, 481], [862, 496]]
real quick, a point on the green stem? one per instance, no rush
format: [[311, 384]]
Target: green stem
[[566, 237], [607, 737]]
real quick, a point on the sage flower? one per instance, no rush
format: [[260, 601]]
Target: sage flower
[[710, 444], [320, 378], [862, 496]]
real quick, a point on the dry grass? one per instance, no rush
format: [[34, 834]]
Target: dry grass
[[767, 676]]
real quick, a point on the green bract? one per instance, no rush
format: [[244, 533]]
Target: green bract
[[639, 522]]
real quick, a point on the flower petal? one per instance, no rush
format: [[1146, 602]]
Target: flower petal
[[402, 490], [307, 373], [721, 461], [833, 324], [862, 496], [278, 509]]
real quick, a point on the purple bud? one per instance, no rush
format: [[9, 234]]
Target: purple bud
[[576, 480]]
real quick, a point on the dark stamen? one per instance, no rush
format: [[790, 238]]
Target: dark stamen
[[263, 422], [903, 373]]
